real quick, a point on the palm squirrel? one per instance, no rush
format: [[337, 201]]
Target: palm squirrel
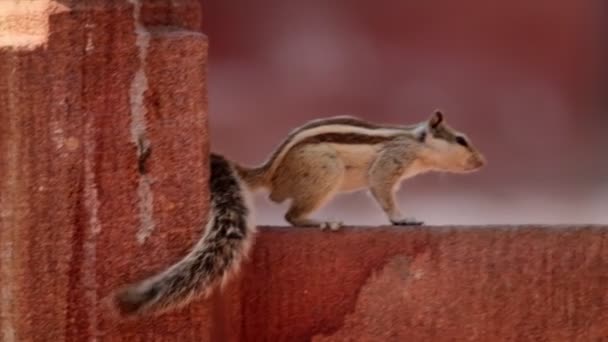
[[317, 160]]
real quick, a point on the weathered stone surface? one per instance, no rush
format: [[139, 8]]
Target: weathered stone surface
[[23, 23], [427, 284], [542, 283], [83, 205]]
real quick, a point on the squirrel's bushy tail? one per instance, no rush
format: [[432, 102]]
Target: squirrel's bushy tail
[[216, 255], [254, 177]]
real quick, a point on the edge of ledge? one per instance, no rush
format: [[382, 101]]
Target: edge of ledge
[[445, 228]]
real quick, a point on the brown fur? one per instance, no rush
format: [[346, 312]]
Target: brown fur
[[324, 157]]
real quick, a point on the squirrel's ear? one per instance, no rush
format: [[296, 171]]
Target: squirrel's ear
[[436, 119]]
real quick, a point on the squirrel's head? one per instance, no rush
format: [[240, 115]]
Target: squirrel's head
[[447, 149]]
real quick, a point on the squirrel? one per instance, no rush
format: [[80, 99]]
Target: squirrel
[[345, 154], [316, 161]]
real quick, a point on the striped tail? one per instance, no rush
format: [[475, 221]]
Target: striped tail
[[213, 259]]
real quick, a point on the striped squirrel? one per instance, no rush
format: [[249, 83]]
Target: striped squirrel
[[317, 160]]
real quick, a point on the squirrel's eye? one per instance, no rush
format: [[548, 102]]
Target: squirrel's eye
[[462, 141], [422, 137]]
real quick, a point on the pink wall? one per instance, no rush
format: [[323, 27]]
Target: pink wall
[[525, 79]]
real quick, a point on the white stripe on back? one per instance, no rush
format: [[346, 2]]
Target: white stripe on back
[[331, 128]]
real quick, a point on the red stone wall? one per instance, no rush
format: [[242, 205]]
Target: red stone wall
[[427, 284], [104, 142]]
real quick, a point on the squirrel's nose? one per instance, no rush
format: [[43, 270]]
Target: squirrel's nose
[[477, 161]]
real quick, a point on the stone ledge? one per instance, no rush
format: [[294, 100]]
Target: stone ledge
[[416, 284]]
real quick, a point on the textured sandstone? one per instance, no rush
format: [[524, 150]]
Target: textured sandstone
[[428, 284], [81, 205]]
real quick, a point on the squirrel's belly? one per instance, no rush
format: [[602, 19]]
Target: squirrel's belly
[[353, 180], [356, 160]]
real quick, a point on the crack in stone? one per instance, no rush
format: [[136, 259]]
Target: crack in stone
[[139, 86]]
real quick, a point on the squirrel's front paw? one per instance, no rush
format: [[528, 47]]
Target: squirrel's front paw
[[410, 221]]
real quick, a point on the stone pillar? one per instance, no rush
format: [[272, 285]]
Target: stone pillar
[[103, 161]]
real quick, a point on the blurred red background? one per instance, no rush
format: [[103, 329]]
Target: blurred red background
[[527, 80]]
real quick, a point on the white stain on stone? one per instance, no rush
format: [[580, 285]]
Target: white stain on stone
[[57, 135], [89, 47], [9, 219], [146, 206], [91, 202], [139, 85]]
